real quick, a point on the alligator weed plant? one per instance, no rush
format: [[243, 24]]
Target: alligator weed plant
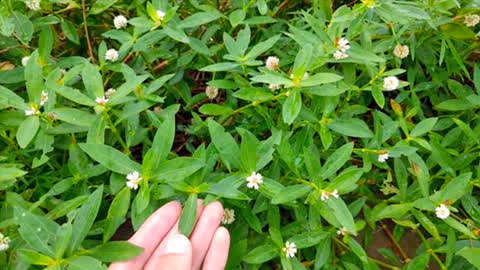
[[320, 125]]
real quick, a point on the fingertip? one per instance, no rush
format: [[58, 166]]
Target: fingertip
[[215, 207], [223, 235]]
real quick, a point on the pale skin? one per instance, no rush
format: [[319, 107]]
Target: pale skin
[[166, 248]]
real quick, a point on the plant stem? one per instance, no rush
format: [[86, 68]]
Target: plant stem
[[406, 259], [116, 134], [89, 45]]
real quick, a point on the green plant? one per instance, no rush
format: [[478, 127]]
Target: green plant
[[314, 123]]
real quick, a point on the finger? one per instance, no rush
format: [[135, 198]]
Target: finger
[[204, 231], [161, 249], [177, 255], [217, 254], [150, 234]]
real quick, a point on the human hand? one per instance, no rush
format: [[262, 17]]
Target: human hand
[[166, 248]]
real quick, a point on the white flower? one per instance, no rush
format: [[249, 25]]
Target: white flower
[[391, 83], [120, 21], [101, 100], [160, 14], [228, 216], [111, 55], [338, 55], [32, 111], [25, 60], [272, 62], [290, 249], [254, 180], [110, 92], [33, 4], [326, 194], [4, 241], [442, 211], [343, 44], [472, 20], [211, 91], [383, 157], [43, 98], [401, 51], [274, 86], [342, 231], [133, 179]]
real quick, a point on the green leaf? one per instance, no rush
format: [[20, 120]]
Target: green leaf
[[70, 31], [189, 213], [343, 215], [454, 190], [320, 78], [33, 257], [100, 5], [291, 107], [215, 109], [75, 95], [176, 34], [85, 262], [423, 127], [224, 66], [471, 254], [353, 127], [116, 213], [9, 173], [357, 249], [85, 218], [75, 116], [253, 94], [309, 239], [23, 26], [198, 19], [27, 130], [476, 78], [110, 158], [420, 262], [12, 99], [459, 227], [225, 144], [336, 160], [236, 17], [92, 79], [291, 193], [262, 47], [34, 78], [115, 251], [177, 169], [62, 239], [45, 43], [261, 254]]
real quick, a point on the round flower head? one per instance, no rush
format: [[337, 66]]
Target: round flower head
[[390, 83], [342, 231], [272, 62], [472, 20], [338, 55], [4, 242], [211, 91], [326, 194], [383, 157], [401, 51], [442, 211], [228, 216], [101, 100], [274, 86], [160, 14], [254, 180], [120, 21], [290, 249], [343, 44], [133, 179], [33, 111], [110, 92], [33, 4], [111, 55], [25, 60], [43, 98]]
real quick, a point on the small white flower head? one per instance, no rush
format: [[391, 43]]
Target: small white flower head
[[133, 179], [33, 4], [290, 249], [442, 211], [254, 180], [228, 216], [401, 51], [4, 242], [342, 231], [343, 44], [160, 14], [390, 83], [383, 157], [120, 21], [339, 55], [43, 98], [274, 86], [33, 111], [25, 60], [110, 92], [326, 194], [272, 62], [472, 20], [305, 76], [211, 91], [101, 100], [111, 55], [63, 72]]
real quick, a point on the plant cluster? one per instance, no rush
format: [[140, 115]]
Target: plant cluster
[[315, 123]]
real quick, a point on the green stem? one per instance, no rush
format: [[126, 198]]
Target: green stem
[[115, 133]]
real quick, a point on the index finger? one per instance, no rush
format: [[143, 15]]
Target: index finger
[[150, 234]]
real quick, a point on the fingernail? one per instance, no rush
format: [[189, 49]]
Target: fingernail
[[177, 244]]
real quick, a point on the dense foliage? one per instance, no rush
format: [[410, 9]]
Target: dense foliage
[[315, 123]]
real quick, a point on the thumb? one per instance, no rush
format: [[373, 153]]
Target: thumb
[[177, 254]]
